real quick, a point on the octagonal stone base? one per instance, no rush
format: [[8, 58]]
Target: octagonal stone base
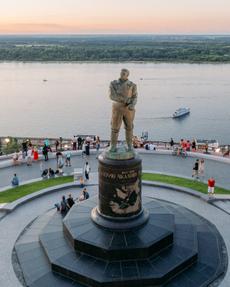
[[193, 259], [112, 244]]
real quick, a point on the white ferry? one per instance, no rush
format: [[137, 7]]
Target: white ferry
[[181, 112]]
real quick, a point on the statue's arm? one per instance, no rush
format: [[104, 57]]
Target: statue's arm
[[133, 99], [114, 96]]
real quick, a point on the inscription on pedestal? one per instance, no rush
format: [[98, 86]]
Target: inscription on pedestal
[[119, 187]]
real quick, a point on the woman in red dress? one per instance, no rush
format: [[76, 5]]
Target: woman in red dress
[[35, 152]]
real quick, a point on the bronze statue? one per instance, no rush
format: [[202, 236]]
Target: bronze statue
[[123, 93]]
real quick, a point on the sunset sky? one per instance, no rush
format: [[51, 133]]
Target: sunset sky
[[115, 16]]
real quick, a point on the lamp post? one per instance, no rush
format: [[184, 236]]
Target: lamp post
[[7, 140]]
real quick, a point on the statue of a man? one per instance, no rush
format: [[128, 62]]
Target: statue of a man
[[123, 93]]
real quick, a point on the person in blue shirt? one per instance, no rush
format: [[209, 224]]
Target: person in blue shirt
[[15, 180]]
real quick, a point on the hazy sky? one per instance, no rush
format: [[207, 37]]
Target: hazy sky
[[114, 16]]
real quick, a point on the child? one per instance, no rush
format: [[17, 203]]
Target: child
[[81, 180]]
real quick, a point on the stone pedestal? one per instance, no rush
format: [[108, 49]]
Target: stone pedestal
[[119, 205], [119, 187]]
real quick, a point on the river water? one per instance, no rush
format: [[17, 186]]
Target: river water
[[62, 99]]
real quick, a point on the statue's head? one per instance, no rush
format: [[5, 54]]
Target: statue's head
[[124, 74]]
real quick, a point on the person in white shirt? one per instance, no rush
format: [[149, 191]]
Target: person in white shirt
[[87, 170], [29, 157]]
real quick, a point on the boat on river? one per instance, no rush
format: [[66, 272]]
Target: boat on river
[[181, 112]]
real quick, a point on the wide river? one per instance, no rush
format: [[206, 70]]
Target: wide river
[[63, 99]]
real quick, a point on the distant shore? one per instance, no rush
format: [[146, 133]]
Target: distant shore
[[114, 62], [116, 48]]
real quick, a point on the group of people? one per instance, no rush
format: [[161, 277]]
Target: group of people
[[198, 173], [48, 173], [28, 153], [66, 204], [80, 143]]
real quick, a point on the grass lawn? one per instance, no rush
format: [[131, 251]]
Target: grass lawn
[[20, 191], [23, 190], [189, 183]]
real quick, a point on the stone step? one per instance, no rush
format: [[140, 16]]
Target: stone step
[[87, 237]]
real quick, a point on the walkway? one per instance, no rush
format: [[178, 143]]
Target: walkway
[[161, 163]]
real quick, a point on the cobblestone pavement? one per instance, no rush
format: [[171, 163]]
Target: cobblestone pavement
[[12, 225], [161, 163]]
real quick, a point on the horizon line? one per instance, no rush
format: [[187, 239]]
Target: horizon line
[[115, 34]]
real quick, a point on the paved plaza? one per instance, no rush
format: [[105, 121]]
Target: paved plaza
[[151, 161], [12, 224]]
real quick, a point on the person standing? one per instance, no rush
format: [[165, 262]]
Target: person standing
[[29, 156], [188, 145], [47, 142], [87, 170], [79, 142], [35, 153], [15, 180], [194, 145], [87, 148], [58, 154], [211, 186], [184, 145], [56, 145], [68, 158], [196, 169], [45, 152], [61, 141], [24, 148], [171, 143], [74, 143]]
